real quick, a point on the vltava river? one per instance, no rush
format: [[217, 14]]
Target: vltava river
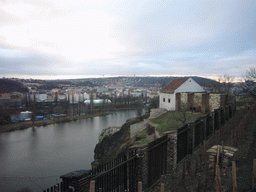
[[35, 158]]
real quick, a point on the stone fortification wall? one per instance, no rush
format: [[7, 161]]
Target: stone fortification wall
[[138, 127], [184, 97], [214, 101], [198, 101]]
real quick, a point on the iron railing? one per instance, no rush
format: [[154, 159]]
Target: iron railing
[[117, 175], [182, 142], [157, 159]]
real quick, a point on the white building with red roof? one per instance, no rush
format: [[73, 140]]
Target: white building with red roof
[[168, 95]]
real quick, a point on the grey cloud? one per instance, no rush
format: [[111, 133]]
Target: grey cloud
[[184, 25]]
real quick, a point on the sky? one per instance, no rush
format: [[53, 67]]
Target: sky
[[56, 39]]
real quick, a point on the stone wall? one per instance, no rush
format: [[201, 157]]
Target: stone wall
[[184, 97], [205, 103], [140, 126], [171, 151], [214, 101], [198, 101]]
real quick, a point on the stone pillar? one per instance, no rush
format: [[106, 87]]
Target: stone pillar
[[178, 101], [205, 103], [190, 100], [171, 151], [78, 180], [141, 152], [223, 100]]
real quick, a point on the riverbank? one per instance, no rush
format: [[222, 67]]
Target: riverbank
[[44, 122]]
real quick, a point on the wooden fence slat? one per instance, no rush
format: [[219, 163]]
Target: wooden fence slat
[[139, 186], [162, 187], [92, 186], [218, 154], [234, 176], [218, 186]]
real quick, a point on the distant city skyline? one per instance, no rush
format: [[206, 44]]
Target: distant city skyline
[[58, 39]]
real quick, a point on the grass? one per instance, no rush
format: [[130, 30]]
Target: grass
[[165, 122], [143, 138], [169, 120]]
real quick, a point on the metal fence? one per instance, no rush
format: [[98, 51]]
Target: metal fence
[[157, 159], [117, 175], [199, 133], [60, 187], [149, 162], [222, 116], [230, 110], [216, 120], [123, 174], [190, 136], [182, 142], [209, 125]]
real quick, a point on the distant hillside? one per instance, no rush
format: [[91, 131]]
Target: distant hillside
[[50, 84], [152, 81], [8, 86], [136, 81], [163, 81]]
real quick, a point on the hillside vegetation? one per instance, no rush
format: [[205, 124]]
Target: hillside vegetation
[[8, 86]]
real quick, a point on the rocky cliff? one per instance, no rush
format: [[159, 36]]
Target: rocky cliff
[[112, 145]]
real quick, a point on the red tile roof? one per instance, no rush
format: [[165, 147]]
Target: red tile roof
[[5, 95], [171, 87]]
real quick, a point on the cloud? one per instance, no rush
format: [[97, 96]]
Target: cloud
[[82, 37], [183, 25]]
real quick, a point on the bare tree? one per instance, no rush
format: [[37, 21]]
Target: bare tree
[[249, 84], [225, 83], [181, 114]]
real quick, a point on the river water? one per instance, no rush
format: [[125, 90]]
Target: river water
[[35, 158]]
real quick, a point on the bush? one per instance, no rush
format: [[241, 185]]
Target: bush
[[5, 118]]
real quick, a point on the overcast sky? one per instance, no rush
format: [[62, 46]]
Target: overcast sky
[[79, 38]]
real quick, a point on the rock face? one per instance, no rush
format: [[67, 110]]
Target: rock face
[[112, 145], [108, 132]]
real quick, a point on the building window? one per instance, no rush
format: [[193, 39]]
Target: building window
[[169, 100], [163, 99]]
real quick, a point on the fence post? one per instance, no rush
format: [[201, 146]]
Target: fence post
[[92, 186], [139, 186], [171, 151], [254, 174], [141, 151], [162, 187], [234, 176], [218, 186]]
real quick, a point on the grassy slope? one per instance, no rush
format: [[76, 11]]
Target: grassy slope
[[165, 122], [169, 120]]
